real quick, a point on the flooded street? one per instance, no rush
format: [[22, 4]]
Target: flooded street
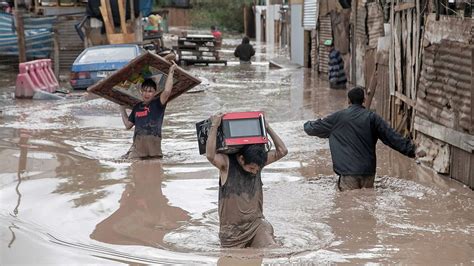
[[67, 198]]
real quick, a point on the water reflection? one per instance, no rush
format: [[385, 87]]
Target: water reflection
[[231, 261], [144, 215], [354, 224], [24, 136]]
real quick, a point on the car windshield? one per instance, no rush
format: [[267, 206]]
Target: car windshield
[[113, 54]]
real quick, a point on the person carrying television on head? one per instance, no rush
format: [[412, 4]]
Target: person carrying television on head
[[242, 223]]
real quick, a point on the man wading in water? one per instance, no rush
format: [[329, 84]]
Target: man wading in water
[[353, 135], [242, 223], [147, 117]]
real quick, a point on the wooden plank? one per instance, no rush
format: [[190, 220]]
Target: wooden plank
[[56, 55], [472, 82], [458, 139], [123, 24], [405, 99], [20, 33], [371, 88], [409, 66], [404, 57], [109, 14], [109, 87], [404, 6], [105, 16], [398, 53], [36, 3], [417, 43], [132, 11], [391, 60], [353, 43]]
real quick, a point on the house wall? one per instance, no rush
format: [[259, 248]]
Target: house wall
[[259, 10], [272, 16], [297, 34], [444, 99]]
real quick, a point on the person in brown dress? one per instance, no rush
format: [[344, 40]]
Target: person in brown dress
[[242, 223]]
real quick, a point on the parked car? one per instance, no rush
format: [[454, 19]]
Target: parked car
[[98, 62]]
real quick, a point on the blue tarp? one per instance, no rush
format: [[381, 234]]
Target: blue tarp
[[38, 36]]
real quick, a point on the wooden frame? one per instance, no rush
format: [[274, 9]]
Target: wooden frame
[[105, 88]]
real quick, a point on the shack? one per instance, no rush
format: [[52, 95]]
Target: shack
[[444, 119]]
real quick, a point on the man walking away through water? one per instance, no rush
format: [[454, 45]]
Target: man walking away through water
[[244, 51], [147, 117], [337, 76], [353, 135], [242, 223]]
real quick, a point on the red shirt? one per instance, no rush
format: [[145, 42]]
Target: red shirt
[[217, 34]]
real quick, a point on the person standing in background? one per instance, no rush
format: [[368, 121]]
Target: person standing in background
[[337, 76], [217, 35], [244, 51]]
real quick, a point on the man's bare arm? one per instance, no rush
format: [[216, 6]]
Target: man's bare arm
[[218, 160], [123, 112], [165, 95], [280, 148]]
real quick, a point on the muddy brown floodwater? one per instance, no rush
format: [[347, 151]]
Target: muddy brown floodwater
[[66, 198]]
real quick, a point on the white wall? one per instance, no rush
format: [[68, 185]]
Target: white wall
[[258, 22], [297, 35], [272, 15]]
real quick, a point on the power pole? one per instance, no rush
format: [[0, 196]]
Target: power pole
[[20, 32]]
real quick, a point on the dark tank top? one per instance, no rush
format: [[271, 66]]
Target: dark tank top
[[240, 206]]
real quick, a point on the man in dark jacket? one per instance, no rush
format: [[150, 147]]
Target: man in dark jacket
[[244, 51], [353, 134]]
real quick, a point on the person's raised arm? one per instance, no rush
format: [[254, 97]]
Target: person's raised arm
[[126, 122], [218, 160], [165, 95], [280, 148], [322, 127]]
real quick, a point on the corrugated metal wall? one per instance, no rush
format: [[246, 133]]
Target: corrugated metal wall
[[444, 92], [462, 166], [361, 41], [446, 88], [375, 31], [310, 14], [325, 32], [70, 45], [374, 23]]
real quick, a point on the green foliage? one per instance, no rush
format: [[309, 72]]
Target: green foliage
[[225, 14]]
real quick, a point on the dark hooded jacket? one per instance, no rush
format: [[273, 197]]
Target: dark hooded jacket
[[353, 135], [244, 51]]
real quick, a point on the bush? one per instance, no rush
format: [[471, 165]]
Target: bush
[[225, 14]]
